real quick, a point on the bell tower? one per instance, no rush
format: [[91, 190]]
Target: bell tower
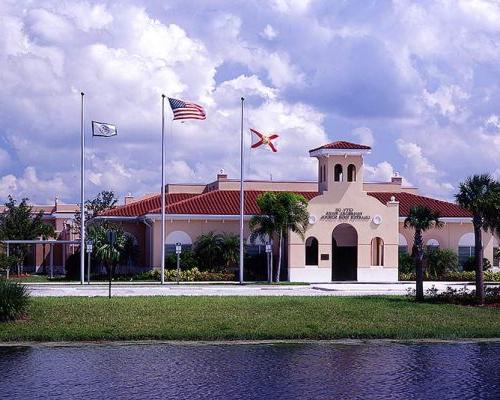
[[340, 165]]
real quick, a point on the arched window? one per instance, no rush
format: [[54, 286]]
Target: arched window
[[337, 173], [311, 251], [432, 244], [403, 244], [351, 173], [466, 246], [377, 251], [177, 237]]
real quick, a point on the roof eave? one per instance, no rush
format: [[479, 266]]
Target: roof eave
[[338, 152]]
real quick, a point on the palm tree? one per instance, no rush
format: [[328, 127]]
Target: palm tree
[[480, 194], [421, 218], [281, 212], [109, 252], [230, 249], [208, 249]]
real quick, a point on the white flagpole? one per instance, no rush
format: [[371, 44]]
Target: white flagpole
[[82, 192], [162, 272], [242, 198]]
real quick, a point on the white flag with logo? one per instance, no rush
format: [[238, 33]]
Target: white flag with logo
[[103, 129]]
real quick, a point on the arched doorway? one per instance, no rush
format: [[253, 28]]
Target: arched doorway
[[344, 253]]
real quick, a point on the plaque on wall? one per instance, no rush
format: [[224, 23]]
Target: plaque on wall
[[325, 257]]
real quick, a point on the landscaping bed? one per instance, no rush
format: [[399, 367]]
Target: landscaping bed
[[247, 318]]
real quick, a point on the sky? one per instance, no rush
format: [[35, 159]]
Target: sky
[[416, 80]]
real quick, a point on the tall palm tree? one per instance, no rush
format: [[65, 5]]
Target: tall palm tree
[[421, 218], [281, 212], [480, 194]]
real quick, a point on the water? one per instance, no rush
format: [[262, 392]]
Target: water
[[253, 371]]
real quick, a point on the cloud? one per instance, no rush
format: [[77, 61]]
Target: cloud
[[269, 32], [365, 135], [417, 80], [422, 171], [30, 185]]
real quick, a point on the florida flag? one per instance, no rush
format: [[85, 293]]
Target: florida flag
[[264, 140]]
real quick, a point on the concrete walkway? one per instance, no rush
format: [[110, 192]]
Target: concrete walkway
[[232, 289]]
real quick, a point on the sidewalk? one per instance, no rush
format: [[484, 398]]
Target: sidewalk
[[234, 289]]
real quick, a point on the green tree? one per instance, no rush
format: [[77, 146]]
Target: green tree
[[420, 218], [440, 261], [106, 251], [105, 200], [281, 212], [480, 194], [208, 249], [19, 222], [230, 249]]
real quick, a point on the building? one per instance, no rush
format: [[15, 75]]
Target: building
[[41, 257], [356, 228]]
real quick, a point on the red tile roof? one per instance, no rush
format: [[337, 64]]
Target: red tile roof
[[342, 145], [408, 200], [144, 206], [227, 202], [221, 202]]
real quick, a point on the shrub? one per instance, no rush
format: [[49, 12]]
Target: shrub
[[440, 261], [13, 300], [405, 263], [470, 264], [195, 275], [187, 260], [7, 263], [462, 276]]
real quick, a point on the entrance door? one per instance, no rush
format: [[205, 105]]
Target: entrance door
[[344, 253]]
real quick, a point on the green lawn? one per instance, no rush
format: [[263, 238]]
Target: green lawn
[[231, 318]]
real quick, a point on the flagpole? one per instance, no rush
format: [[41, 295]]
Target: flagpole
[[82, 191], [242, 198], [162, 274]]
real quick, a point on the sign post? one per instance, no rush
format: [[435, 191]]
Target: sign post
[[111, 236], [88, 248], [269, 250], [178, 251]]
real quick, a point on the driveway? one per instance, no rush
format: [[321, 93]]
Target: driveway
[[233, 289]]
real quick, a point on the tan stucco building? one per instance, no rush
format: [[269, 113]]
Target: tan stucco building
[[356, 228]]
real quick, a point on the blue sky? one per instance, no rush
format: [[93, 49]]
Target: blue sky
[[419, 81]]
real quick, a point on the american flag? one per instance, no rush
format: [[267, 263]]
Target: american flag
[[186, 110]]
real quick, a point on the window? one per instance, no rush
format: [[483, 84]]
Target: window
[[432, 244], [324, 173], [377, 251], [403, 244], [338, 171], [312, 251], [496, 256], [351, 173], [466, 246]]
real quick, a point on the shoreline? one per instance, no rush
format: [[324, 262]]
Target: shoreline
[[347, 342]]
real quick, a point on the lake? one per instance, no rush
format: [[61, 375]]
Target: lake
[[316, 370]]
